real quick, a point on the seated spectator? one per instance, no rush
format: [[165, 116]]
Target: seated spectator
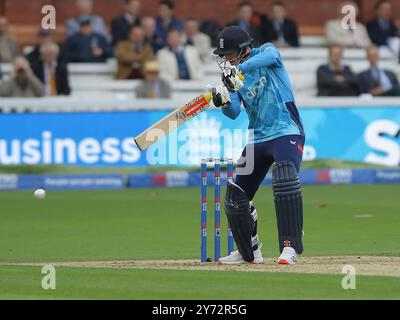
[[132, 55], [22, 83], [211, 28], [166, 20], [8, 45], [85, 9], [86, 45], [150, 36], [248, 21], [377, 81], [336, 79], [44, 37], [152, 87], [179, 62], [51, 72], [199, 40], [350, 38], [121, 26], [397, 25], [382, 29], [281, 30]]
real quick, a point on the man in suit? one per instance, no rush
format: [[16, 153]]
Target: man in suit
[[87, 45], [199, 40], [166, 20], [44, 37], [132, 55], [152, 87], [85, 9], [179, 62], [334, 78], [150, 36], [122, 25], [281, 30], [249, 21], [51, 72], [382, 29], [377, 81]]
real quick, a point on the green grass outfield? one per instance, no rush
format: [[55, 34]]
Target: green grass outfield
[[164, 224]]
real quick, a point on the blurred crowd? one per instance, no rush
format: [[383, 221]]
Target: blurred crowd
[[164, 48]]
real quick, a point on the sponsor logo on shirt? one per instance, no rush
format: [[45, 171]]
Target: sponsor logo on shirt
[[252, 92]]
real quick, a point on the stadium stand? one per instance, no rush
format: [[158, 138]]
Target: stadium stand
[[97, 81], [302, 63]]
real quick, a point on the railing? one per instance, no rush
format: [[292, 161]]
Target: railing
[[71, 104]]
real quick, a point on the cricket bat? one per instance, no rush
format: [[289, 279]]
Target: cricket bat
[[172, 121]]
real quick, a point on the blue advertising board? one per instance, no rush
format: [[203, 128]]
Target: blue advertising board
[[183, 179], [62, 181], [308, 177], [106, 138]]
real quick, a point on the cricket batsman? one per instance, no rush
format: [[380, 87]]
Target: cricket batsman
[[276, 139]]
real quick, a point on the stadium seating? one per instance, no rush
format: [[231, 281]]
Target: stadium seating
[[302, 64]]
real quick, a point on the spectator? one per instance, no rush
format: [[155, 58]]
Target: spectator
[[397, 25], [152, 87], [350, 38], [22, 83], [51, 72], [150, 36], [281, 30], [199, 40], [132, 55], [44, 37], [166, 20], [336, 79], [382, 29], [8, 45], [248, 21], [377, 81], [178, 61], [86, 45], [85, 9], [122, 25], [211, 28]]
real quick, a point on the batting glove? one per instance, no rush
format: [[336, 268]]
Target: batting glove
[[220, 96], [232, 79]]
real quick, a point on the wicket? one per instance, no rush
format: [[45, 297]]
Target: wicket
[[217, 206]]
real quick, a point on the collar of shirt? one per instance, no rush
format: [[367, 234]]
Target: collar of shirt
[[137, 47], [130, 18], [384, 24], [178, 50], [244, 24], [166, 22], [278, 23], [48, 66], [333, 68]]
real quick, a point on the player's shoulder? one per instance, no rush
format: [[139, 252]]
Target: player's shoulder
[[267, 47]]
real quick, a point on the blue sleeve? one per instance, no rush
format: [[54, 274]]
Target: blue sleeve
[[268, 55], [232, 110]]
